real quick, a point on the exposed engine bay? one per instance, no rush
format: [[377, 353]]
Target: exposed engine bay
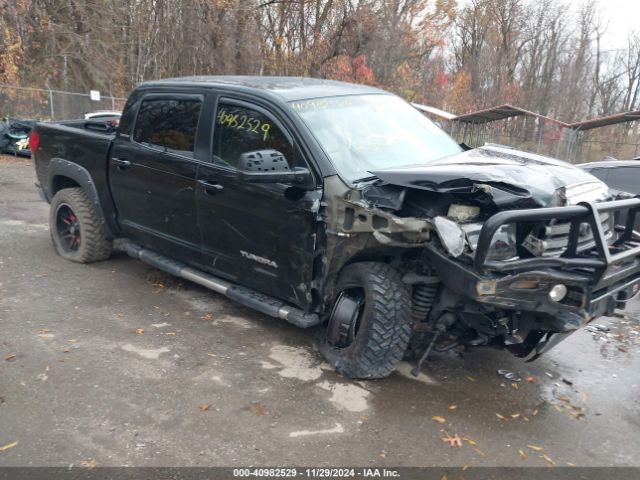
[[535, 280]]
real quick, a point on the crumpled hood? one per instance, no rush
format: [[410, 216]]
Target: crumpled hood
[[508, 176]]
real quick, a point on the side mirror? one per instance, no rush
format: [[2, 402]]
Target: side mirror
[[270, 166]]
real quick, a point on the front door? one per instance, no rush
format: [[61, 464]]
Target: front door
[[260, 235], [153, 176]]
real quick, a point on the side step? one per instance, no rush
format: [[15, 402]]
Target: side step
[[244, 296]]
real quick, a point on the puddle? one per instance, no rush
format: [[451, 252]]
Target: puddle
[[297, 362], [303, 433], [150, 353], [237, 321], [347, 396]]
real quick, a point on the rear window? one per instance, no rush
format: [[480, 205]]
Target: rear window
[[169, 124]]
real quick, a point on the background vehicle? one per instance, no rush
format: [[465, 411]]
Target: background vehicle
[[620, 175], [14, 135], [110, 117], [102, 114], [322, 202]]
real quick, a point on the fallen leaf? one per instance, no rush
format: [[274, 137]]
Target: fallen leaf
[[171, 334], [452, 407], [203, 407], [548, 460], [74, 340], [439, 419], [453, 441], [622, 349], [465, 467], [43, 330], [471, 379], [10, 357], [207, 316], [522, 454], [501, 417], [530, 379], [139, 331], [514, 386], [88, 464], [571, 464], [515, 415], [212, 354], [257, 409], [8, 446], [66, 350], [469, 441], [535, 412], [535, 448]]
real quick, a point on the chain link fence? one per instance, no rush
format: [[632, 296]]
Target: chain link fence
[[47, 104], [620, 141]]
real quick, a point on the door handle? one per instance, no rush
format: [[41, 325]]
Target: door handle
[[211, 187], [121, 163]]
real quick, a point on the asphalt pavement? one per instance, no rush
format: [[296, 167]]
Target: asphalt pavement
[[116, 363]]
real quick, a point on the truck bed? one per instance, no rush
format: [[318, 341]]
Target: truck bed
[[77, 141]]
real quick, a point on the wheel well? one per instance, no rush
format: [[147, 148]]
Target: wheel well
[[60, 181]]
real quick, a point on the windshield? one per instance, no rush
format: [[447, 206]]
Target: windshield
[[361, 133]]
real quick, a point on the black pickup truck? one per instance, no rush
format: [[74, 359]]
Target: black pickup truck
[[338, 205]]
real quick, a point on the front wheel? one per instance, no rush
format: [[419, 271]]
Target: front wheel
[[76, 230], [370, 324]]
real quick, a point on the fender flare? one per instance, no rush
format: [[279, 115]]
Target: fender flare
[[64, 168]]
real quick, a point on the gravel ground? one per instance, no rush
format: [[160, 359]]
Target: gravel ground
[[116, 364]]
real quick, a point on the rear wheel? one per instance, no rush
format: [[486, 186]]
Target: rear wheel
[[370, 324], [76, 230]]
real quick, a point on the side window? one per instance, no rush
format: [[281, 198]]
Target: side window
[[625, 179], [240, 130], [169, 124]]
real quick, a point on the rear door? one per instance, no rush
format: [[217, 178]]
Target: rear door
[[260, 235], [153, 175]]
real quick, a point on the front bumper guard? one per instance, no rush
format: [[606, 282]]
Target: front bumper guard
[[605, 258], [599, 277]]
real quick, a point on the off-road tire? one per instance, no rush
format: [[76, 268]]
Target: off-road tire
[[94, 245], [384, 323]]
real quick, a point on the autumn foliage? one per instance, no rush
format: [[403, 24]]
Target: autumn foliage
[[458, 56]]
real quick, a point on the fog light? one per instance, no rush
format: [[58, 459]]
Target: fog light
[[486, 287], [557, 292]]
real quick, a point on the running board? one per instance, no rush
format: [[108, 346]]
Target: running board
[[244, 296]]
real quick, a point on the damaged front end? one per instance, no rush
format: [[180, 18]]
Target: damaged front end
[[490, 260]]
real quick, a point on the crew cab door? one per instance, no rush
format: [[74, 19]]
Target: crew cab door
[[263, 236], [152, 173]]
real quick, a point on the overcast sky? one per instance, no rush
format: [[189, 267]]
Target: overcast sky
[[622, 17]]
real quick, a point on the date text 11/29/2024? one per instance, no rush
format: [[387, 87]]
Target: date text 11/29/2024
[[315, 472]]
